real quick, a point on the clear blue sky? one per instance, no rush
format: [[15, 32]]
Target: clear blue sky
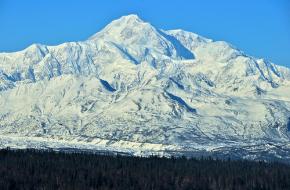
[[260, 28]]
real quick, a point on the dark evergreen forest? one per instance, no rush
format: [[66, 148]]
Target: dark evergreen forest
[[32, 169]]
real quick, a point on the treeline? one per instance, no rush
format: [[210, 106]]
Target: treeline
[[32, 169]]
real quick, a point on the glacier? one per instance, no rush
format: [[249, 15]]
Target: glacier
[[139, 90]]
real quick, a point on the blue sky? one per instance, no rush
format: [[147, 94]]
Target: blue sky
[[260, 28]]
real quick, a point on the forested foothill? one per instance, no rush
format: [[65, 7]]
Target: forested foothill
[[35, 169]]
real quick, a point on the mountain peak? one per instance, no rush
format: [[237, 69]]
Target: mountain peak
[[128, 21], [138, 39], [131, 17], [131, 21]]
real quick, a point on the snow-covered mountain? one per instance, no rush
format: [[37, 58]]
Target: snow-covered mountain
[[136, 89]]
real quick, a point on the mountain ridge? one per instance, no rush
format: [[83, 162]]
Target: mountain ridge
[[143, 90]]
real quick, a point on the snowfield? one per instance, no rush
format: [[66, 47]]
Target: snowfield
[[139, 90]]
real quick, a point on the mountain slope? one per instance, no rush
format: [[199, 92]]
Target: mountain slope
[[134, 88]]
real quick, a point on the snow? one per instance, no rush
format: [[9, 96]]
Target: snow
[[141, 90]]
